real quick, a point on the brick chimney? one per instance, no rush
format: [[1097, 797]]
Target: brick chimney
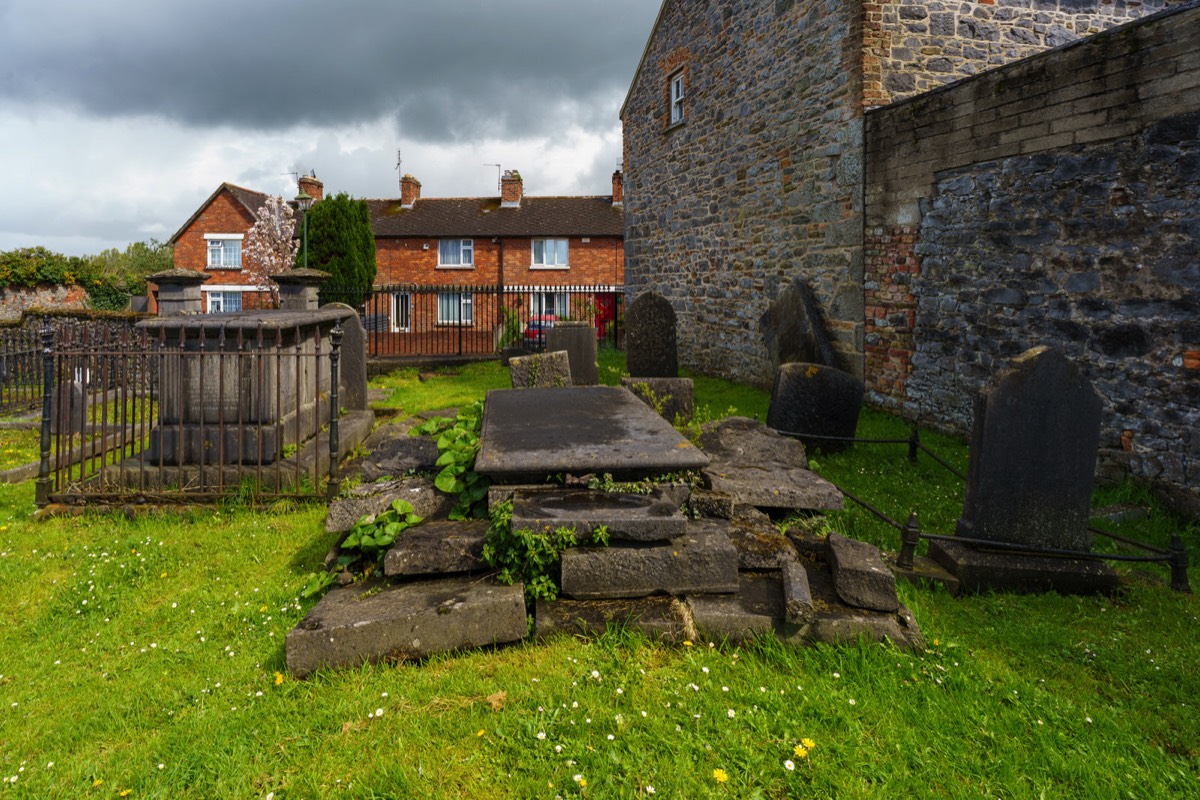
[[511, 189], [312, 187], [410, 191], [618, 196]]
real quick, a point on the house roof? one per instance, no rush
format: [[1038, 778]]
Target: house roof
[[248, 198], [484, 216]]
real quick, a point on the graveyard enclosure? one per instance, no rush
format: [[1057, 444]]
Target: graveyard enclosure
[[1050, 202]]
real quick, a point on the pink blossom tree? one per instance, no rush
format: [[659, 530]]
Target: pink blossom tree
[[271, 244]]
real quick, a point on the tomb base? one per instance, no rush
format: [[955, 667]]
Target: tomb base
[[979, 570]]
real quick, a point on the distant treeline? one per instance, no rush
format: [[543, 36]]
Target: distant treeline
[[110, 278]]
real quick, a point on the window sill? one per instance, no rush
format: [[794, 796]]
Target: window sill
[[455, 266], [223, 268], [674, 126], [559, 267], [454, 325]]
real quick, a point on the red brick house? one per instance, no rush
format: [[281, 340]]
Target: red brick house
[[212, 241]]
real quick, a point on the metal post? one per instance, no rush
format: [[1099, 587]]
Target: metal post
[[910, 537], [42, 489], [1179, 565], [334, 354], [914, 442]]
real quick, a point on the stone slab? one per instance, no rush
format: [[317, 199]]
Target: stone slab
[[631, 517], [756, 609], [434, 548], [671, 398], [373, 498], [980, 571], [702, 562], [398, 455], [836, 623], [860, 577], [798, 607], [743, 441], [541, 370], [758, 543], [531, 433], [782, 488], [372, 621], [578, 341], [661, 618]]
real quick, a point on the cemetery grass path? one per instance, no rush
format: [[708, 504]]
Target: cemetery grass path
[[144, 658]]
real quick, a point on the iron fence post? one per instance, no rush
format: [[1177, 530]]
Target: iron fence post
[[910, 536], [334, 354], [914, 442], [1179, 565], [42, 489]]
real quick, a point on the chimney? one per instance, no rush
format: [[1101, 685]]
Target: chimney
[[618, 197], [511, 189], [311, 187], [410, 191]]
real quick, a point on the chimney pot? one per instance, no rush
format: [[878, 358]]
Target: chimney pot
[[511, 189], [410, 191], [311, 187], [618, 188]]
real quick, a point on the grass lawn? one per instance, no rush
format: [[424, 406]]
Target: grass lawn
[[144, 658]]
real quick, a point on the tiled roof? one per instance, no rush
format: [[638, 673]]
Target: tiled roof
[[484, 216], [250, 199]]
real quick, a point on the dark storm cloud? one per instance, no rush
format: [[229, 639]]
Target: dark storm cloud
[[446, 70]]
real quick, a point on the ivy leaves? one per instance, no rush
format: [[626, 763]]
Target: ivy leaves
[[458, 445]]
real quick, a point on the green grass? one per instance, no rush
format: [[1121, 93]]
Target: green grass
[[142, 655]]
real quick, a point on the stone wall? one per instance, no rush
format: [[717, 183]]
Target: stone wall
[[1049, 202], [759, 184], [912, 46], [14, 301]]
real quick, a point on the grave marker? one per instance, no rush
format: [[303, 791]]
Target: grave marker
[[650, 338]]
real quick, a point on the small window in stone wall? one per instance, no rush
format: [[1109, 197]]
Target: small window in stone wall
[[676, 90]]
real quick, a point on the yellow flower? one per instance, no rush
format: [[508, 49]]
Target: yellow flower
[[808, 743], [480, 732], [125, 793], [800, 751], [278, 678], [687, 643], [720, 775], [96, 783]]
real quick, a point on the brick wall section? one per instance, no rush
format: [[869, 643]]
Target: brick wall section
[[760, 184], [1053, 202], [912, 46], [599, 261], [223, 215]]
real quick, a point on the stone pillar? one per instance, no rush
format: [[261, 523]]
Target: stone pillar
[[178, 291], [298, 288]]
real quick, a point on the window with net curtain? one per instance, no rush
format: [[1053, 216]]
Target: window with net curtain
[[550, 252], [225, 253], [456, 252], [455, 308]]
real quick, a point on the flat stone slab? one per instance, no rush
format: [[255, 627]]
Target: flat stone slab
[[633, 517], [758, 543], [746, 442], [860, 577], [757, 608], [790, 489], [836, 623], [373, 621], [531, 433], [436, 548], [398, 455], [693, 563], [373, 498], [660, 617], [981, 571]]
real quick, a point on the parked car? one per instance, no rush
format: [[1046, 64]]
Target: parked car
[[535, 330]]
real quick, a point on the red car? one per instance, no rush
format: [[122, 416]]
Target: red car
[[535, 330]]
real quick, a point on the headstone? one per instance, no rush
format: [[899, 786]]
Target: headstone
[[1033, 455], [793, 330], [815, 402], [650, 337], [541, 370], [68, 408], [578, 340], [673, 398]]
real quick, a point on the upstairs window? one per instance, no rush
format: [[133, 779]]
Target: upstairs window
[[456, 252], [676, 81], [224, 251], [550, 253]]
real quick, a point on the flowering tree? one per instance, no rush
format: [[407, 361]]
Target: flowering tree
[[271, 244]]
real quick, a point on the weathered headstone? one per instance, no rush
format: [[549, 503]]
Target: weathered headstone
[[672, 398], [541, 371], [1033, 455], [816, 402], [792, 328], [650, 338], [68, 408], [578, 339]]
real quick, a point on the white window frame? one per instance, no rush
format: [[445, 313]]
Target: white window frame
[[219, 298], [466, 309], [466, 254], [538, 307], [217, 243], [677, 96], [401, 312], [544, 264]]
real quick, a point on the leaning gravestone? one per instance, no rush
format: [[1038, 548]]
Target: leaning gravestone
[[1033, 455], [650, 339], [815, 402], [550, 370], [1029, 482]]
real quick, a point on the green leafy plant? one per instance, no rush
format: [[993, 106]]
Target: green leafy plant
[[531, 557], [458, 444], [368, 541]]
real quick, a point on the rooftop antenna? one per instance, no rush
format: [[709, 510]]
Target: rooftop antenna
[[295, 176], [400, 166], [499, 184]]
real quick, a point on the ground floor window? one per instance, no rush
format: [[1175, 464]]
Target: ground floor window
[[401, 312], [455, 308], [224, 302], [549, 303]]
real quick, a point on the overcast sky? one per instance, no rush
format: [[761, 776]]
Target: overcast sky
[[119, 118]]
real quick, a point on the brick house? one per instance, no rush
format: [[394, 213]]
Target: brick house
[[744, 149], [212, 242]]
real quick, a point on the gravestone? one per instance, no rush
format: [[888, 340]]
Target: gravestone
[[578, 339], [650, 338], [68, 408], [541, 370], [792, 329], [816, 402], [672, 398], [1033, 455]]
